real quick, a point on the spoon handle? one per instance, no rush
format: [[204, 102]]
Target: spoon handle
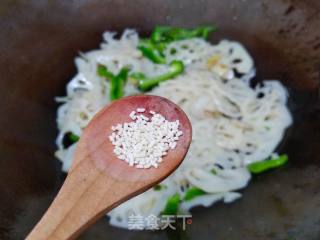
[[85, 196], [98, 181]]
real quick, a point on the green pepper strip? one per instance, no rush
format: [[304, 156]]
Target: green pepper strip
[[159, 187], [103, 72], [259, 167], [193, 192], [169, 34], [172, 205], [73, 137], [162, 35], [213, 171], [117, 85], [144, 83], [152, 51], [117, 82]]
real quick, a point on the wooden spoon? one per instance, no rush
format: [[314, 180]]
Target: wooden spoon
[[98, 181]]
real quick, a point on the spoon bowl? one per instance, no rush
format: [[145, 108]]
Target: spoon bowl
[[98, 181]]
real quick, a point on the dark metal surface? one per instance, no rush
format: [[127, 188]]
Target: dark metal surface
[[38, 42]]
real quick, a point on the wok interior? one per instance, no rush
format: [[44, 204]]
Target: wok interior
[[38, 43]]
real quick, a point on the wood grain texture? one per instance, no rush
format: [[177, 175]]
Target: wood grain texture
[[98, 181]]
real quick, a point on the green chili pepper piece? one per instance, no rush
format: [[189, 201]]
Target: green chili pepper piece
[[162, 35], [259, 167], [136, 77], [213, 171], [159, 187], [169, 34], [175, 68], [103, 72], [172, 205], [73, 137], [193, 192], [117, 82], [153, 52], [158, 33]]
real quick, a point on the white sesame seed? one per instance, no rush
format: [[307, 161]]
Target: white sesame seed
[[144, 118], [173, 145], [143, 142], [179, 133], [141, 110], [133, 115]]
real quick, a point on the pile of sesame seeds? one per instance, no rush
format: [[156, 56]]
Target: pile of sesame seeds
[[144, 141]]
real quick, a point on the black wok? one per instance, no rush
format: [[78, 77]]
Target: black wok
[[38, 42]]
